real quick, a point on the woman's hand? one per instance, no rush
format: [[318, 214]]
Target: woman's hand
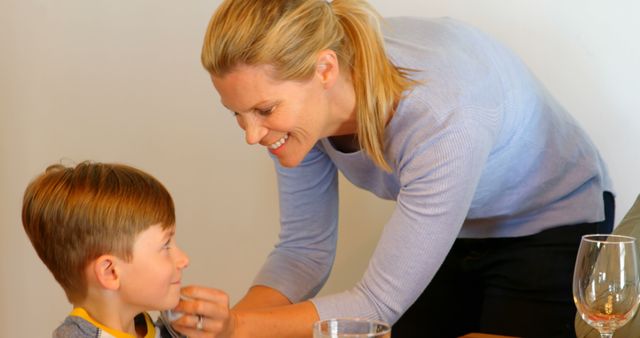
[[261, 317], [206, 313]]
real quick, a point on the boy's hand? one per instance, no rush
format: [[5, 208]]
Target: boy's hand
[[206, 313]]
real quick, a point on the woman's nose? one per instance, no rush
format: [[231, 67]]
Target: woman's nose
[[254, 131]]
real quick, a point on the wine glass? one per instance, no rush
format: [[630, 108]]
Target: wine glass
[[351, 328], [606, 284]]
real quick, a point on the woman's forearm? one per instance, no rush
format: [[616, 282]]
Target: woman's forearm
[[287, 321], [260, 297]]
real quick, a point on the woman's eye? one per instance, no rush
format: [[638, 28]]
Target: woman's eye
[[266, 112]]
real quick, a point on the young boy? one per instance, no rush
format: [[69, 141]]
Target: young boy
[[106, 232]]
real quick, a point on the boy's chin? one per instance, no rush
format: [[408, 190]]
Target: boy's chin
[[172, 305], [171, 302]]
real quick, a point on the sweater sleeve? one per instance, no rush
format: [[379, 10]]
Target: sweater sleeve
[[438, 178], [300, 263]]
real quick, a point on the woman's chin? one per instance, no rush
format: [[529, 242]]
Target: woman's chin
[[291, 159], [289, 162]]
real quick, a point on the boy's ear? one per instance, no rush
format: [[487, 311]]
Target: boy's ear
[[105, 269]]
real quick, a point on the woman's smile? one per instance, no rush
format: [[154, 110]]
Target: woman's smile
[[276, 145]]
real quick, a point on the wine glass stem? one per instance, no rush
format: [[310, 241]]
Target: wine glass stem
[[606, 335]]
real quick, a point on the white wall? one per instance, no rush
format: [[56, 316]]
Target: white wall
[[121, 81]]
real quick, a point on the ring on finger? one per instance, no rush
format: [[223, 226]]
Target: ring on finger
[[200, 323]]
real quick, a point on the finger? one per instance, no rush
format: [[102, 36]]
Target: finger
[[209, 309], [201, 292], [191, 332], [190, 327], [205, 301]]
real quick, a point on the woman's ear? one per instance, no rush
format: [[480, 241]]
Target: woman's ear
[[105, 269], [327, 67]]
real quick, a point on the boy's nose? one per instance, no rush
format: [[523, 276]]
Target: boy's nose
[[182, 260]]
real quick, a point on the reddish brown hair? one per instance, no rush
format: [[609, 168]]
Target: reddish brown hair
[[74, 215]]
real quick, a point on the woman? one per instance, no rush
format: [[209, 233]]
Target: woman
[[494, 182]]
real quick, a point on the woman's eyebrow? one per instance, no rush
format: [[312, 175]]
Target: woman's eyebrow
[[255, 106]]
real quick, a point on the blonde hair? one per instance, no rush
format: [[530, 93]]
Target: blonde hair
[[288, 34], [74, 215]]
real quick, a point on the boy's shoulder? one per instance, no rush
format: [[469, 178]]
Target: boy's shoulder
[[76, 327]]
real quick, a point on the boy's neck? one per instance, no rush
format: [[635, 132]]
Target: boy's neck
[[112, 315]]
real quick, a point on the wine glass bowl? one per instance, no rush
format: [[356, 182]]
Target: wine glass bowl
[[606, 283]]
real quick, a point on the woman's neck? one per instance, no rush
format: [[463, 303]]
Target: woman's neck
[[342, 103]]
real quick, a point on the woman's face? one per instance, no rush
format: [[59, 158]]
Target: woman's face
[[287, 117]]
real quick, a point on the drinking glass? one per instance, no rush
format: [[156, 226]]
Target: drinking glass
[[606, 285], [168, 316], [351, 328]]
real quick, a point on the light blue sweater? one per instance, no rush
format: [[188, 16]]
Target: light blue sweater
[[478, 150]]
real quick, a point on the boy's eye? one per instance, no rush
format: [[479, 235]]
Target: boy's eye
[[167, 245]]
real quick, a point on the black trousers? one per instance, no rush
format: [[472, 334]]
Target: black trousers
[[509, 286]]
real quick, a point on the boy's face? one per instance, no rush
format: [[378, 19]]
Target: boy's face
[[151, 280]]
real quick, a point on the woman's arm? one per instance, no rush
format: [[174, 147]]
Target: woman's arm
[[301, 261], [254, 319], [259, 297], [295, 320]]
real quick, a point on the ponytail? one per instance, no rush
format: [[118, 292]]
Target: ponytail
[[378, 84]]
